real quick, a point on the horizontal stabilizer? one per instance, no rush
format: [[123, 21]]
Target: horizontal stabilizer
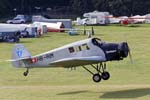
[[11, 60]]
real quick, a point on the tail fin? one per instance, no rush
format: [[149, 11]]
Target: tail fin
[[19, 52]]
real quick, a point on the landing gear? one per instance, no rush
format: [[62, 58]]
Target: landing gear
[[101, 72], [97, 78], [105, 75], [26, 72]]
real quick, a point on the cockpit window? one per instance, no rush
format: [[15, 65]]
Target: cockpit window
[[96, 41], [85, 47]]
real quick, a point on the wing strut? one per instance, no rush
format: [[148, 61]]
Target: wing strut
[[88, 70]]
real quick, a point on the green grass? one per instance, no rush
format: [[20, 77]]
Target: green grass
[[128, 81]]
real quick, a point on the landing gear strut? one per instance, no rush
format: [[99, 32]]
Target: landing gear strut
[[101, 72], [26, 72]]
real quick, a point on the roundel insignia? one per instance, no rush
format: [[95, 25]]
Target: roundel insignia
[[19, 53]]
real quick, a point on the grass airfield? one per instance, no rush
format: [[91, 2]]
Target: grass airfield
[[128, 81]]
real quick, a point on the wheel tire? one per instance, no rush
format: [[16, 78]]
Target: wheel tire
[[96, 78], [105, 75], [25, 73]]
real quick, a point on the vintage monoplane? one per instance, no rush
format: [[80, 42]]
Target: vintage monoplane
[[91, 51]]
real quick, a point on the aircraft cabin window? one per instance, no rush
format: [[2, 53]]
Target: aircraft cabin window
[[85, 47], [71, 50], [80, 48], [77, 49]]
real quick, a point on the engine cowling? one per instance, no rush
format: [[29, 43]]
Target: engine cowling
[[123, 49], [115, 51]]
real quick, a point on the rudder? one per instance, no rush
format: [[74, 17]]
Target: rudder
[[19, 52]]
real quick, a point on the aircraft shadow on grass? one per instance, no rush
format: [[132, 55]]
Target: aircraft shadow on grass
[[72, 93], [123, 94]]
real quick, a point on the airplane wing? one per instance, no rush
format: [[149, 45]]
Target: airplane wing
[[78, 61]]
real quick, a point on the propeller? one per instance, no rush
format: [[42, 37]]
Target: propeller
[[130, 55], [129, 50]]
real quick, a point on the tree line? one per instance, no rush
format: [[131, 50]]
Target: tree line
[[78, 7]]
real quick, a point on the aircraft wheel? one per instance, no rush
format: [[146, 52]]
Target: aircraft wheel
[[105, 75], [96, 78], [25, 73]]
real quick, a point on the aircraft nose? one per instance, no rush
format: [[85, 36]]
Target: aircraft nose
[[123, 49]]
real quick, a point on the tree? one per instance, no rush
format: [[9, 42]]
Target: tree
[[81, 6], [101, 5], [115, 7]]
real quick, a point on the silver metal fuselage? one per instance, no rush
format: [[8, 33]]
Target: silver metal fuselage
[[83, 48]]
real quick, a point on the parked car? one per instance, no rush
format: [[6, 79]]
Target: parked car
[[20, 19], [16, 21]]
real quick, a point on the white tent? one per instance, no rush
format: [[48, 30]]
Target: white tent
[[23, 28], [12, 27], [66, 22]]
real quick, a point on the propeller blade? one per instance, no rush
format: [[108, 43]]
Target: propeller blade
[[130, 55]]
